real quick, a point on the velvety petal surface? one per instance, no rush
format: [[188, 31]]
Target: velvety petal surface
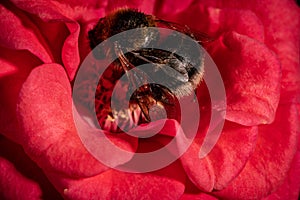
[[214, 21], [272, 158], [228, 157], [200, 171], [290, 189], [251, 74], [201, 196], [18, 32], [85, 3], [50, 137], [20, 177], [116, 185], [231, 153], [281, 30], [14, 73], [169, 7], [14, 186], [45, 12]]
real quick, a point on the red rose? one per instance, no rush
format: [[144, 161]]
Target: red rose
[[257, 53]]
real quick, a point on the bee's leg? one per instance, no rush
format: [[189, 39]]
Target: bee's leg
[[144, 102], [195, 96], [145, 110], [166, 100], [161, 94], [126, 65], [136, 77]]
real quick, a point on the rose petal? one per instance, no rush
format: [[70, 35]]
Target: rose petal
[[15, 71], [25, 34], [232, 152], [20, 177], [89, 3], [61, 28], [200, 171], [269, 165], [120, 185], [55, 33], [290, 189], [70, 53], [50, 137], [50, 11], [284, 41], [215, 21], [244, 22], [225, 161], [167, 7], [14, 185], [201, 196], [281, 38], [251, 75], [167, 127], [80, 14]]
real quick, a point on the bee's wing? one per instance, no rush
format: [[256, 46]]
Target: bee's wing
[[160, 58], [136, 76], [169, 69]]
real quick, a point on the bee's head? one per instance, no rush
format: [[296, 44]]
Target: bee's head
[[122, 20], [126, 19]]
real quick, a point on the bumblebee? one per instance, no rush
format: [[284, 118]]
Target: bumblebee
[[189, 67]]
